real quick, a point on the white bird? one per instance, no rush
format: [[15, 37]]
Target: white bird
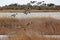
[[14, 15]]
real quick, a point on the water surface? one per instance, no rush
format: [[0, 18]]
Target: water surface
[[33, 14]]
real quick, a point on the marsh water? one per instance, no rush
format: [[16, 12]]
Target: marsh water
[[32, 14]]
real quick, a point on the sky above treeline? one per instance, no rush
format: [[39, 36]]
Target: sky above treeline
[[7, 2]]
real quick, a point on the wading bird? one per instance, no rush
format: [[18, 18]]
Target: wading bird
[[14, 15], [27, 11]]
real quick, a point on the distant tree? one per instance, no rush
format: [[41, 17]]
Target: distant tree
[[44, 4], [33, 2], [15, 4], [51, 4], [28, 4], [41, 3]]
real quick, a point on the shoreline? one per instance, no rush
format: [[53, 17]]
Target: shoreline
[[31, 10]]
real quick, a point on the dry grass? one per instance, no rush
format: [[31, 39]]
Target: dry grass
[[39, 25], [21, 31]]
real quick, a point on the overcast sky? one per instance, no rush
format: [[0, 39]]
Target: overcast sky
[[7, 2]]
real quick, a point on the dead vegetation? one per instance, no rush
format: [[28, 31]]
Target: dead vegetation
[[40, 25], [36, 27]]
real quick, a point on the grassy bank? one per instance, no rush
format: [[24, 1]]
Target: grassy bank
[[31, 10]]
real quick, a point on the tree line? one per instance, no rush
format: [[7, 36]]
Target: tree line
[[38, 6]]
